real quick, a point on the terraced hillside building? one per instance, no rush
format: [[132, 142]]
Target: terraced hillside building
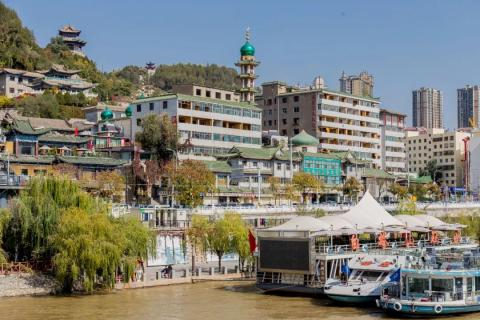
[[340, 121], [208, 125]]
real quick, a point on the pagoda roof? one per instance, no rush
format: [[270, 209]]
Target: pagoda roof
[[59, 69], [62, 138], [377, 173], [20, 72], [24, 127], [27, 159], [268, 153], [218, 166], [69, 28], [95, 161], [74, 40]]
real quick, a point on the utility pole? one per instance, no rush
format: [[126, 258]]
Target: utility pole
[[259, 184], [175, 154]]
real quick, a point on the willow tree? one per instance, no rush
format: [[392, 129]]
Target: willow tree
[[91, 248], [228, 234], [197, 236], [36, 212]]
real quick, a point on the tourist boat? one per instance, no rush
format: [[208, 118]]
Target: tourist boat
[[448, 284], [366, 275]]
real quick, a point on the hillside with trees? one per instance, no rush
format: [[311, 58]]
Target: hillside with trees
[[19, 49]]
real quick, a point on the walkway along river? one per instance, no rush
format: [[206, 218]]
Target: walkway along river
[[208, 300]]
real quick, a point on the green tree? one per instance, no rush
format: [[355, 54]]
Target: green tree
[[36, 212], [398, 191], [197, 236], [432, 170], [407, 206], [352, 187], [275, 187], [228, 234], [159, 135], [433, 191], [290, 193], [305, 183], [418, 190], [43, 106], [192, 181], [92, 247], [111, 185]]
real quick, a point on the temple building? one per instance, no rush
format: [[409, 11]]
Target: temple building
[[71, 37], [247, 74], [15, 82]]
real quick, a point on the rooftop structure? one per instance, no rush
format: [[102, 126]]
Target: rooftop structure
[[247, 64], [360, 85], [71, 37]]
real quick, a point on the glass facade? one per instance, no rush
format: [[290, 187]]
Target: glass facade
[[326, 169]]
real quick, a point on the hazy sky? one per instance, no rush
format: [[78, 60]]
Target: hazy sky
[[405, 44]]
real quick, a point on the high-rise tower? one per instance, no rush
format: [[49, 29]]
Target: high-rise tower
[[427, 108], [247, 64]]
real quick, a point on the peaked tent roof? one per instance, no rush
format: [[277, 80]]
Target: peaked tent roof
[[412, 223], [302, 223], [368, 213]]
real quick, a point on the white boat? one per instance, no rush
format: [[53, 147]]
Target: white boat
[[367, 275]]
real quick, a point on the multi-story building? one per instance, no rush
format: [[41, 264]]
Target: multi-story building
[[444, 147], [210, 125], [71, 37], [393, 147], [341, 121], [427, 108], [468, 106], [359, 85], [14, 82]]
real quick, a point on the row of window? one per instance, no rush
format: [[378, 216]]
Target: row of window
[[219, 137], [328, 107], [269, 102], [217, 94], [151, 106]]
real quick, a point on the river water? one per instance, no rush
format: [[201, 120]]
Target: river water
[[212, 300]]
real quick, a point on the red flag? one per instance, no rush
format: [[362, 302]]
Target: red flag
[[76, 132], [252, 242]]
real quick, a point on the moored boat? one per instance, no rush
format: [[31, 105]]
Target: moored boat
[[449, 284]]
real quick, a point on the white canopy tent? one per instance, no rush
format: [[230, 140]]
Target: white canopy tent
[[412, 223], [368, 213], [302, 223], [437, 224]]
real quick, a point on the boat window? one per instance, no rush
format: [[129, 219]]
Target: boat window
[[477, 283], [370, 275], [417, 286], [469, 285], [442, 285], [404, 282]]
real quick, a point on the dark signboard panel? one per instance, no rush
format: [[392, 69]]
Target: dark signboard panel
[[291, 254]]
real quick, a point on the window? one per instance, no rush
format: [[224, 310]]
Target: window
[[208, 93], [296, 131], [228, 96], [28, 149], [139, 108], [165, 104], [270, 112], [24, 172], [279, 166], [139, 122], [284, 110], [218, 95], [284, 121], [12, 78], [152, 106], [269, 122], [296, 121], [417, 285], [296, 98], [296, 109], [255, 164], [284, 132], [284, 99], [11, 90]]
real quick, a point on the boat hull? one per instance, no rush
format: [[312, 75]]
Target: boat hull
[[353, 299], [419, 310]]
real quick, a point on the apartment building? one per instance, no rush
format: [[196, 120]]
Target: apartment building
[[468, 106], [427, 108], [392, 145], [360, 85], [446, 147], [208, 125], [341, 121]]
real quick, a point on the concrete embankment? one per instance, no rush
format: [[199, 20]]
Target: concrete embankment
[[179, 280], [23, 284]]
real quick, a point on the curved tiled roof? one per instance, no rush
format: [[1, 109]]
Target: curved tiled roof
[[304, 139]]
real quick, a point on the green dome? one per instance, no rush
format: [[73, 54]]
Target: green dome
[[247, 49], [304, 139], [128, 111], [106, 114]]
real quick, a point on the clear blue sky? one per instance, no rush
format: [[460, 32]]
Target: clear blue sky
[[405, 44]]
